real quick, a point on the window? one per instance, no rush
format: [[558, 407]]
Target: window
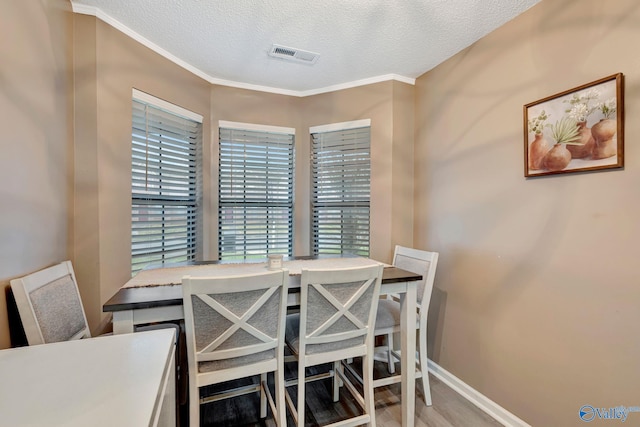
[[340, 188], [255, 197], [166, 143]]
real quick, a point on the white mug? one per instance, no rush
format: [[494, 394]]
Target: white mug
[[275, 262]]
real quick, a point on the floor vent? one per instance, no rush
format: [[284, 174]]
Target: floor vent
[[293, 54]]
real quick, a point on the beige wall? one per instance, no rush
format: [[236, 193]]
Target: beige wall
[[389, 105], [537, 299], [108, 64], [402, 192], [36, 139], [391, 143], [75, 200], [248, 106]]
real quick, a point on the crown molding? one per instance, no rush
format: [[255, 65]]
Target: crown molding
[[98, 13], [356, 83]]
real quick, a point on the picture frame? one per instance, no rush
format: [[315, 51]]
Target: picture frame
[[577, 130]]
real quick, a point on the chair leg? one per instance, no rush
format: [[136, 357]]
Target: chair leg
[[263, 396], [194, 403], [336, 380], [281, 416], [426, 389], [301, 387], [391, 360], [367, 388]]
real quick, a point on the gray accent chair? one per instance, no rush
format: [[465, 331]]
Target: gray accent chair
[[49, 305], [51, 309]]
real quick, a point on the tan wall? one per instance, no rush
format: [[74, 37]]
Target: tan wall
[[85, 215], [389, 105], [402, 193], [248, 106], [537, 299], [390, 141], [36, 139], [108, 65]]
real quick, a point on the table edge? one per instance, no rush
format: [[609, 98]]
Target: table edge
[[122, 301]]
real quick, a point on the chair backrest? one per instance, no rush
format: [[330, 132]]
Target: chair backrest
[[419, 262], [50, 306], [337, 310], [231, 321]]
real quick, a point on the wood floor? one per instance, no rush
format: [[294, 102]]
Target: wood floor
[[449, 408]]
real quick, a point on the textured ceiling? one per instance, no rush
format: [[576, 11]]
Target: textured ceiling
[[227, 41]]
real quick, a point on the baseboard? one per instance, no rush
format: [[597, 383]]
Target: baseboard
[[487, 405]]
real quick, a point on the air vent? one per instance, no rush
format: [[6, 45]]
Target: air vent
[[293, 54]]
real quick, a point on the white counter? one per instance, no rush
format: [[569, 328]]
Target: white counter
[[120, 380]]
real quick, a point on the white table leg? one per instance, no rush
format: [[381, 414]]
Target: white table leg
[[123, 322], [408, 354], [166, 416]]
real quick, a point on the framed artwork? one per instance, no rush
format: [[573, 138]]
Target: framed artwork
[[580, 129]]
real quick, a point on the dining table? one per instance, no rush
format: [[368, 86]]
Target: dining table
[[154, 294]]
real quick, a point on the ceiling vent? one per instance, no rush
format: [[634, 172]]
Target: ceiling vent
[[294, 55]]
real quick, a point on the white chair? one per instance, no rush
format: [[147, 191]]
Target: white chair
[[234, 329], [49, 305], [51, 309], [337, 309], [388, 316]]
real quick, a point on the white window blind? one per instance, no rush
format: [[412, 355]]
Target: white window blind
[[340, 193], [255, 216], [165, 187]]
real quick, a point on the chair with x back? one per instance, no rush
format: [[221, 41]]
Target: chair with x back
[[388, 316], [234, 328], [337, 314]]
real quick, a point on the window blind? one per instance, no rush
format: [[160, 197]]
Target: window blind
[[340, 193], [165, 156], [255, 194]]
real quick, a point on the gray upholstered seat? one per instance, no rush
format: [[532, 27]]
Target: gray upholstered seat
[[388, 314]]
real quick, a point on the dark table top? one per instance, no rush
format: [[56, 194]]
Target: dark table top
[[168, 295]]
